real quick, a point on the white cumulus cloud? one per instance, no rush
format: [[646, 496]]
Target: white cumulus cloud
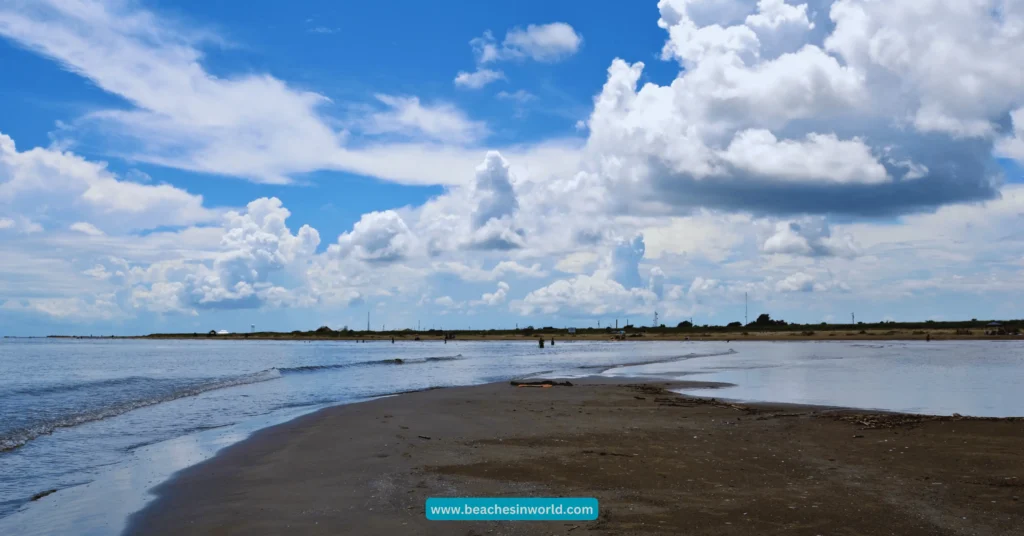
[[478, 78], [810, 237], [542, 42], [772, 114], [547, 43], [497, 297], [55, 185], [377, 237]]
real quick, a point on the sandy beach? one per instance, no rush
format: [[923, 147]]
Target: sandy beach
[[659, 463]]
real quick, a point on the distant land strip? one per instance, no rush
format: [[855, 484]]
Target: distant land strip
[[762, 329]]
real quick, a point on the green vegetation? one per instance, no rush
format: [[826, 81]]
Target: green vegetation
[[764, 324]]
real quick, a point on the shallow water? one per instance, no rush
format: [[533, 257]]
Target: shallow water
[[968, 377], [105, 420], [73, 411]]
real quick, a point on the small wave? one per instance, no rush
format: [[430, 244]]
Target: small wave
[[379, 362], [165, 391], [183, 432], [532, 374], [62, 388], [310, 403], [19, 437], [442, 358], [711, 370], [663, 360]]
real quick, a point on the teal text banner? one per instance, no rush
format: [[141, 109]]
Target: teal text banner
[[512, 509]]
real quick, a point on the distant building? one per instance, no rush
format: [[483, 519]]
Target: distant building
[[223, 332]]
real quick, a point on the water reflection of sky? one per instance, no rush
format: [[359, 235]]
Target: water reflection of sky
[[970, 378]]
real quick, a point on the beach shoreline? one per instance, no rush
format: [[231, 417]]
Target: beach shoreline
[[658, 462]]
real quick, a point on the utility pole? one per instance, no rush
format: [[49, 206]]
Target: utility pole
[[367, 320], [655, 319], [746, 319], [853, 319]]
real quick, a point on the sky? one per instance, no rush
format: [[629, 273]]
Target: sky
[[193, 165]]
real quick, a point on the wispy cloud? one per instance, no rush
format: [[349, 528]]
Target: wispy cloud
[[410, 117], [521, 96], [251, 125]]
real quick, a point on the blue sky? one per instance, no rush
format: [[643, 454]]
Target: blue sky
[[186, 166]]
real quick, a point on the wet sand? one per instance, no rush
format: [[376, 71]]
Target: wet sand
[[658, 463]]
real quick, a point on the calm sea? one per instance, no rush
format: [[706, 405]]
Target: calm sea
[[103, 421]]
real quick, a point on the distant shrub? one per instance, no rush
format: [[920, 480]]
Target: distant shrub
[[766, 320]]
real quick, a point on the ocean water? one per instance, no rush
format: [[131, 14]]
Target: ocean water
[[103, 421]]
